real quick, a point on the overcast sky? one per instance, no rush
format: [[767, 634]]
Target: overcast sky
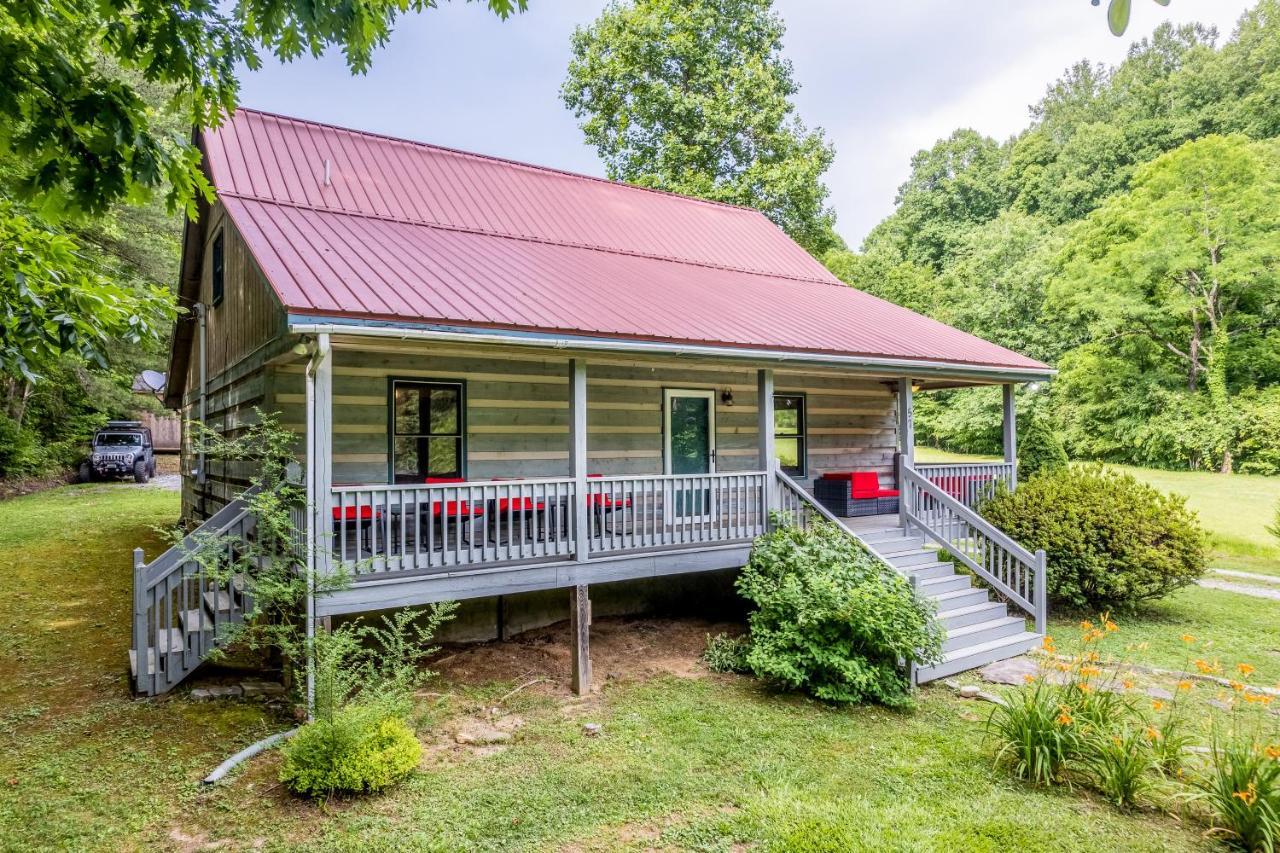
[[883, 79]]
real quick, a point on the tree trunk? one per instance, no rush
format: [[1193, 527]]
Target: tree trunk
[[1193, 372]]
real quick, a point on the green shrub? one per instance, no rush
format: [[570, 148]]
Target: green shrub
[[1274, 527], [833, 620], [727, 654], [1039, 449], [1111, 541], [357, 750], [1241, 787]]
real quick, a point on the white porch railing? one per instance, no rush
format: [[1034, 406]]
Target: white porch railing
[[969, 482], [635, 513], [433, 527], [993, 556]]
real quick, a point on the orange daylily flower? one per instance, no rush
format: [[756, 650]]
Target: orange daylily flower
[[1127, 683], [1188, 639], [1244, 669], [1236, 686], [1153, 734], [1273, 752], [1157, 705], [1248, 796], [1111, 626], [1089, 671], [1205, 667], [1064, 719], [1185, 684], [1086, 625]]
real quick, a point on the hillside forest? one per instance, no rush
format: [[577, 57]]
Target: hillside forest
[[1130, 237]]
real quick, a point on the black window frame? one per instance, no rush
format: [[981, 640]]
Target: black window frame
[[801, 437], [395, 382], [218, 278]]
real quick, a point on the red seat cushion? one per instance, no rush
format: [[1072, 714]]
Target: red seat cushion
[[456, 509], [349, 513], [434, 480], [519, 505]]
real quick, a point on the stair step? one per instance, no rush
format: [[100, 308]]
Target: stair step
[[958, 617], [961, 598], [888, 547], [930, 570], [133, 662], [983, 632], [887, 535], [950, 583], [912, 558], [168, 641], [195, 619], [221, 602], [971, 657]]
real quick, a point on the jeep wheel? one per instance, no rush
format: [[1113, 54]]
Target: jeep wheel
[[140, 472], [85, 473]]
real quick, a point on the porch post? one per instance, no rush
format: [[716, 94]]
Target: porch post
[[580, 639], [578, 455], [1010, 434], [319, 459], [767, 452], [906, 422], [906, 446]]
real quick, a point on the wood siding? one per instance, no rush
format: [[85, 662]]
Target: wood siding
[[517, 415], [243, 333]]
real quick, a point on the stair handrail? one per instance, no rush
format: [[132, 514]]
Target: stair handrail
[[217, 524], [801, 494], [962, 531]]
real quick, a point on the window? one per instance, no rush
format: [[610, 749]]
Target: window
[[219, 270], [788, 432], [426, 430]]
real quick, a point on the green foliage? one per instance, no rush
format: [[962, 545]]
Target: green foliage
[[1121, 763], [1241, 787], [727, 654], [86, 134], [1034, 733], [695, 98], [831, 619], [357, 750], [1039, 449], [1111, 541], [1274, 527]]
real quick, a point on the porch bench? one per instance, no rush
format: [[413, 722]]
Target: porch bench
[[850, 494]]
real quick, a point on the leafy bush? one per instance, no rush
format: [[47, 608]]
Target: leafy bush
[[1241, 787], [358, 750], [1111, 541], [727, 654], [1274, 527], [1039, 449], [833, 620]]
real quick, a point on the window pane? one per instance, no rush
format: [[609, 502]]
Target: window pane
[[444, 411], [786, 421], [406, 460], [408, 401], [788, 452], [444, 457]]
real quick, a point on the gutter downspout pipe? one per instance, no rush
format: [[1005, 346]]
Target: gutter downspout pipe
[[201, 474]]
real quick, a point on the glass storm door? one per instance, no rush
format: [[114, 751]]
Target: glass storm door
[[689, 435]]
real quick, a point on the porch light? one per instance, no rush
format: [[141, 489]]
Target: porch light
[[303, 346], [916, 387], [726, 396]]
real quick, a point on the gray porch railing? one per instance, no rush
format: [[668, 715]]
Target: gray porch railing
[[1004, 565], [444, 526], [969, 482], [180, 611]]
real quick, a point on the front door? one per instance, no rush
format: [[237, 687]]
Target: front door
[[689, 435]]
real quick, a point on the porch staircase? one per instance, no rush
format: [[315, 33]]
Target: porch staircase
[[978, 629], [181, 611], [983, 622]]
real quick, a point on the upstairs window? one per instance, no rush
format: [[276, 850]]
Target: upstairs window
[[219, 270], [426, 430], [788, 433]]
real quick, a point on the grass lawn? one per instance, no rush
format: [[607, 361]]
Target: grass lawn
[[703, 762]]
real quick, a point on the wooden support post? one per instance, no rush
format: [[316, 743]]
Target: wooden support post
[[768, 459], [906, 422], [578, 456], [580, 639], [1010, 434]]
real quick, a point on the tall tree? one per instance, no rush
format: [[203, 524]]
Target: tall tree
[[694, 96], [87, 134], [1186, 263]]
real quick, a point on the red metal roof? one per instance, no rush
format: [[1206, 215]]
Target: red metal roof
[[409, 232]]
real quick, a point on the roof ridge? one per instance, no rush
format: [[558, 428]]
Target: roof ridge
[[833, 282], [507, 160]]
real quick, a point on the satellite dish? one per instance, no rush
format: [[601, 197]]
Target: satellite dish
[[154, 380]]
